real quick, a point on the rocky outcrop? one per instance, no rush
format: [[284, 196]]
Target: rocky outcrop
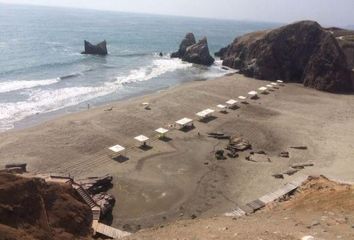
[[105, 201], [193, 52], [31, 208], [99, 49], [188, 40], [95, 185], [302, 52]]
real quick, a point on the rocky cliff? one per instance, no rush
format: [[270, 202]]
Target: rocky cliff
[[33, 209], [302, 52]]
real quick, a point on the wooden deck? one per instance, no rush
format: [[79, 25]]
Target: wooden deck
[[110, 231], [259, 203]]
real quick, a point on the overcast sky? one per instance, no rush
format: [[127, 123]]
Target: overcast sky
[[327, 12]]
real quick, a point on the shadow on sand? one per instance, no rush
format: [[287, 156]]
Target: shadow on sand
[[207, 119], [187, 128], [145, 147], [120, 159]]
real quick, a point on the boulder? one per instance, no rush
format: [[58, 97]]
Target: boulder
[[238, 143], [193, 52], [99, 49], [199, 53], [96, 184], [188, 40], [105, 201], [302, 52]]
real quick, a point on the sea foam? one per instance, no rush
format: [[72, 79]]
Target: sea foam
[[46, 100], [9, 86]]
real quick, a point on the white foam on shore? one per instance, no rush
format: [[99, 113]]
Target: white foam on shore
[[15, 85], [45, 100], [158, 67]]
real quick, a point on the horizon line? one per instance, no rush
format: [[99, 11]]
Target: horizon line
[[146, 13]]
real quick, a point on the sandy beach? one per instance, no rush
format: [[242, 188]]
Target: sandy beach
[[179, 178]]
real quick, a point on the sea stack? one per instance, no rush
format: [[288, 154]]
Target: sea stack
[[302, 52], [99, 49], [193, 52]]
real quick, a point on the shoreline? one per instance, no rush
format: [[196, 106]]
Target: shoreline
[[41, 118], [181, 178]]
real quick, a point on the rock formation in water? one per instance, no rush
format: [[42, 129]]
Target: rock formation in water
[[99, 49], [188, 40], [302, 52], [193, 52]]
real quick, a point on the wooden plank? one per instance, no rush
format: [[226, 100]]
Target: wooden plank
[[247, 209], [237, 212], [255, 205], [110, 231]]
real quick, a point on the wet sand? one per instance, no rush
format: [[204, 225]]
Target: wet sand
[[180, 178]]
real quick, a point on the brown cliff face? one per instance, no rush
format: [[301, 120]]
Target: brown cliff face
[[302, 52], [33, 209]]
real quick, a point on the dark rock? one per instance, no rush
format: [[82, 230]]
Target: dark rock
[[284, 154], [232, 154], [99, 49], [188, 40], [278, 175], [301, 165], [199, 53], [302, 52], [219, 154], [105, 201], [290, 172], [219, 135], [96, 184], [193, 52], [299, 147]]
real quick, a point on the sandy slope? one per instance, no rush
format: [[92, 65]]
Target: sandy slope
[[172, 181]]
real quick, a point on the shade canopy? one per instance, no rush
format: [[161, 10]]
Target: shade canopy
[[231, 102], [242, 98], [262, 89], [141, 138], [221, 106], [117, 148], [205, 112], [252, 93], [184, 121], [161, 130]]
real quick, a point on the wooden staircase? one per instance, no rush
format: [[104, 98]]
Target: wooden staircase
[[95, 208], [85, 195], [96, 213]]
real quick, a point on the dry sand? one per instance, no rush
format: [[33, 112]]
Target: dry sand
[[320, 208], [172, 181]]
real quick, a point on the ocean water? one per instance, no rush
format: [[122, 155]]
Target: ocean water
[[42, 71]]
